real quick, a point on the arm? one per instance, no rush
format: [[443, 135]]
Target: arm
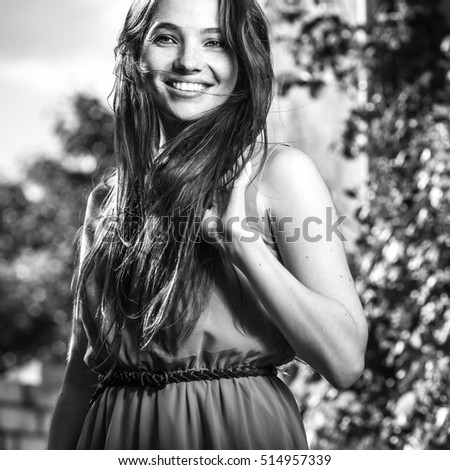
[[72, 405], [311, 295], [79, 381]]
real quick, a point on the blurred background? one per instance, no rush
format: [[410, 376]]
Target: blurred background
[[363, 86]]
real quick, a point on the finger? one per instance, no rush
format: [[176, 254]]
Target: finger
[[239, 167], [212, 228], [244, 178], [236, 201]]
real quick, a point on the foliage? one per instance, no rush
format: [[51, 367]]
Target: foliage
[[403, 276], [401, 266], [87, 135], [39, 220], [325, 46]]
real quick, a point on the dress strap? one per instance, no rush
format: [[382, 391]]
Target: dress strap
[[275, 147], [271, 151], [158, 380]]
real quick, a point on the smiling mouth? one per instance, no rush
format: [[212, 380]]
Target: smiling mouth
[[188, 87]]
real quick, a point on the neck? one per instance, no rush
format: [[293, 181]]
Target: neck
[[172, 126]]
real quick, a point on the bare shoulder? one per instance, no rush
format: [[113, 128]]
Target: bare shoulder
[[97, 197], [93, 214], [287, 155], [289, 171]]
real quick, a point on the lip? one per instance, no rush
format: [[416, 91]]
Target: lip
[[197, 81], [186, 93]]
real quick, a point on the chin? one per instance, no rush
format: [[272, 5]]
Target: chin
[[188, 115]]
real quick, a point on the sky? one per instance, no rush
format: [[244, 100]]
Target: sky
[[50, 49]]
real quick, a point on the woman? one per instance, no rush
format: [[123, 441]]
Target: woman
[[194, 283]]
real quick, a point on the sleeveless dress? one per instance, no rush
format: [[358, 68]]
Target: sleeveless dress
[[247, 413]]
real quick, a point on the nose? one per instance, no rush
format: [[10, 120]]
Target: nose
[[189, 59]]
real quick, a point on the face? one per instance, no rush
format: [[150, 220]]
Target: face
[[190, 70]]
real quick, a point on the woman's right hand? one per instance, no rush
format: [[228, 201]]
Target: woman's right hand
[[228, 228]]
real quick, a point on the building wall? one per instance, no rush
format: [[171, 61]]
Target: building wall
[[315, 124], [25, 410]]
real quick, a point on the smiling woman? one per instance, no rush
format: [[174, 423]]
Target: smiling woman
[[190, 69], [183, 307]]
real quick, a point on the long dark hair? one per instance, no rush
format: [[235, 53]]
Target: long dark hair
[[147, 257]]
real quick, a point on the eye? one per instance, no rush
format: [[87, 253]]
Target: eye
[[216, 44], [164, 39]]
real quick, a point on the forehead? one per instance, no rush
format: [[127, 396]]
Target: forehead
[[199, 14]]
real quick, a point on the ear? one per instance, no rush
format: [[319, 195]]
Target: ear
[[143, 66]]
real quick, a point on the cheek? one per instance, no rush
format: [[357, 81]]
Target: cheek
[[232, 72], [152, 60], [152, 65]]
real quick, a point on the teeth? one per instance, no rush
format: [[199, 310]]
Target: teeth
[[183, 86]]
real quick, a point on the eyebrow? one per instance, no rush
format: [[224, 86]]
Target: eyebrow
[[174, 26]]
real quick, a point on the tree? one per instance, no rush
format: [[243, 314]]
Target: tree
[[401, 265], [40, 217]]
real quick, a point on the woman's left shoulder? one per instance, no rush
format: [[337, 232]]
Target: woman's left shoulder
[[290, 171]]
